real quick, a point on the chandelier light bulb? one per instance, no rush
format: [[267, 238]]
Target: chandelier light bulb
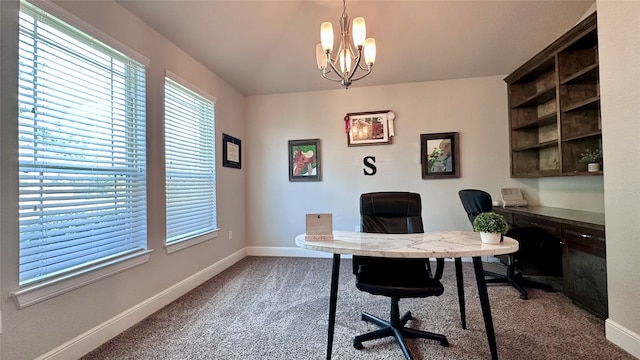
[[345, 61], [370, 51], [321, 57], [359, 31], [326, 36]]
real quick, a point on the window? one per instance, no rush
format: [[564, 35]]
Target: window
[[82, 157], [190, 168]]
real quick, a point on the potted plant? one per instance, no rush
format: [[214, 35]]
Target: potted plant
[[491, 227], [592, 159]]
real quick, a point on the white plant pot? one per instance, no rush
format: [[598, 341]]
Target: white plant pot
[[490, 238], [592, 167]]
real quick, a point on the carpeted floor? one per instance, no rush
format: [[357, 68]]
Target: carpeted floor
[[276, 308]]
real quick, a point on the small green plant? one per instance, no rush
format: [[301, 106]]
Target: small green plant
[[490, 222], [589, 156]]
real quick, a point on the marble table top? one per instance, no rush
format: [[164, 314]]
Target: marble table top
[[447, 244]]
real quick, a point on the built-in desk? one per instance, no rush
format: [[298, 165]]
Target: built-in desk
[[582, 235]]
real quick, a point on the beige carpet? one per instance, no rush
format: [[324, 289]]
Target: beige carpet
[[276, 308]]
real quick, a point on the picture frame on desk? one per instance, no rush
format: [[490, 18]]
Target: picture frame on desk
[[440, 155]]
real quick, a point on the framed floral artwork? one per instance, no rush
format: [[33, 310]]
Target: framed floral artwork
[[440, 156], [304, 160]]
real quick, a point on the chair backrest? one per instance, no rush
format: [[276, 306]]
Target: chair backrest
[[475, 202], [391, 212]]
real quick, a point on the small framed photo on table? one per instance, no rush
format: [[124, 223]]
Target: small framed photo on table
[[231, 152], [440, 155], [304, 160]]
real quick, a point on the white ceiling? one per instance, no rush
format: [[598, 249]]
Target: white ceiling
[[268, 46]]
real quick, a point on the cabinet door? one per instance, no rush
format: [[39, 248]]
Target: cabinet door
[[584, 268], [552, 227]]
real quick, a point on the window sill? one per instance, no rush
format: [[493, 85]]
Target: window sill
[[46, 290], [179, 245]]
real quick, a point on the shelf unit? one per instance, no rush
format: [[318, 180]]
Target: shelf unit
[[554, 106]]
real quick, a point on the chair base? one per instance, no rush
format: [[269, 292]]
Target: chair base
[[517, 281], [395, 327]]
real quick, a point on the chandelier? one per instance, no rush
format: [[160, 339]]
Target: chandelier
[[349, 54]]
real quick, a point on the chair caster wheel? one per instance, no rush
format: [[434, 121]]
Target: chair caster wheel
[[357, 345], [444, 343], [523, 297]]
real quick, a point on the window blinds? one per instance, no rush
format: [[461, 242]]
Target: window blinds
[[190, 163], [82, 182]]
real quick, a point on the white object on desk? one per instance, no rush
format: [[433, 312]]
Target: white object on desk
[[510, 197], [319, 227]]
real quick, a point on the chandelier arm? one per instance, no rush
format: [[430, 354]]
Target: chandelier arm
[[338, 73], [364, 75], [330, 79], [356, 66]]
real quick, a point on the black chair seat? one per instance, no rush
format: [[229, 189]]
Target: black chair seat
[[407, 283]]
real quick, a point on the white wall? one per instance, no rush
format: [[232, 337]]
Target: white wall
[[619, 48], [37, 329], [476, 108], [574, 192]]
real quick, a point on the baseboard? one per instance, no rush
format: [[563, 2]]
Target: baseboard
[[623, 337], [90, 340]]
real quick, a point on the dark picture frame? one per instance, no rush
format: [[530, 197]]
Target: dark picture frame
[[440, 155], [231, 152], [368, 128], [304, 160]]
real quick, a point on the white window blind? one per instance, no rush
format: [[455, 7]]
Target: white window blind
[[82, 180], [190, 163]]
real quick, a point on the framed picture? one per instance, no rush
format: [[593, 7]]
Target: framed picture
[[231, 151], [440, 156], [368, 128], [304, 160]]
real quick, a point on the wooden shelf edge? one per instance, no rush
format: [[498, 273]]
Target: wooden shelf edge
[[538, 174], [585, 73], [583, 173], [541, 121], [582, 136], [543, 145], [538, 98], [584, 104]]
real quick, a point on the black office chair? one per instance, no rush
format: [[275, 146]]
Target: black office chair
[[529, 239], [395, 213]]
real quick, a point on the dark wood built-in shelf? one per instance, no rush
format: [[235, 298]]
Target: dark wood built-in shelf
[[554, 106]]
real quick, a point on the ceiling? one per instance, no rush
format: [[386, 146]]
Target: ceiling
[[266, 46]]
